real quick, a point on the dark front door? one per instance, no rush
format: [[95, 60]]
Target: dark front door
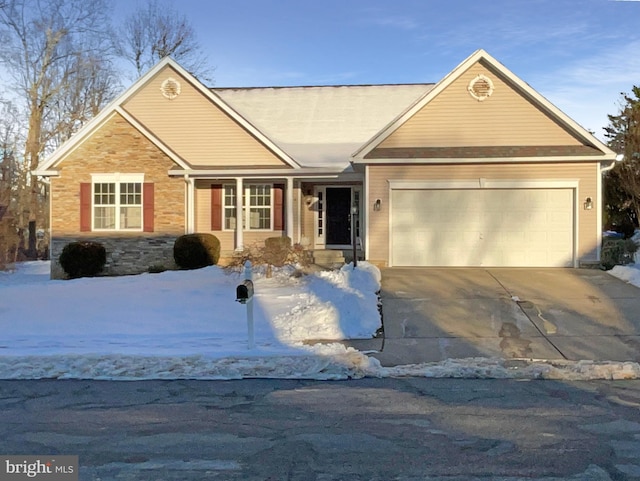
[[338, 216]]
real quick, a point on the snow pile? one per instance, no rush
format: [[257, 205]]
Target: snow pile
[[339, 305], [629, 273], [485, 368], [320, 362]]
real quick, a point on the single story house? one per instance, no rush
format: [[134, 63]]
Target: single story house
[[476, 170]]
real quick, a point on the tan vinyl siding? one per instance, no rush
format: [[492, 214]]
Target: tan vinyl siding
[[307, 213], [226, 237], [298, 212], [195, 128], [585, 173], [454, 118]]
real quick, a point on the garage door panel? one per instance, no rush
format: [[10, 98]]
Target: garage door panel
[[482, 227]]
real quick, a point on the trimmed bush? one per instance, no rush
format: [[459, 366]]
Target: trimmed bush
[[617, 252], [277, 250], [83, 259], [193, 251]]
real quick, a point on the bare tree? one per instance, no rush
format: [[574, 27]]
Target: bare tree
[[85, 96], [47, 46], [10, 180], [157, 30]]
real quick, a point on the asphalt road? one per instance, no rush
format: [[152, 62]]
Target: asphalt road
[[371, 429]]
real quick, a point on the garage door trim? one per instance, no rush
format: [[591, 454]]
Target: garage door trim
[[482, 183]]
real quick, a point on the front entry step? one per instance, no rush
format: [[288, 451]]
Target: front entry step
[[334, 258], [328, 258]]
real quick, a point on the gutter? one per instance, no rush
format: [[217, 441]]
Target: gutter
[[619, 158]]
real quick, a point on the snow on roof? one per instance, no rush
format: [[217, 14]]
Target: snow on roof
[[322, 126]]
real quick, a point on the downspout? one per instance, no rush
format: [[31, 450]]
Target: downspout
[[299, 212], [618, 158]]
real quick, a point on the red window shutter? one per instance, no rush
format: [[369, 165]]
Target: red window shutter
[[216, 207], [148, 202], [85, 207], [278, 207]]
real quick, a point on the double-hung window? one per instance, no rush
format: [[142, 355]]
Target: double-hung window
[[257, 202], [117, 201], [229, 207]]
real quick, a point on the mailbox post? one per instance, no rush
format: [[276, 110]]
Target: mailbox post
[[244, 295]]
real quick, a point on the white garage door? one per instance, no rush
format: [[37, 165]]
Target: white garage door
[[482, 227]]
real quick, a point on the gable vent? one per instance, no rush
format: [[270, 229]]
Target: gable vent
[[480, 88], [170, 88]]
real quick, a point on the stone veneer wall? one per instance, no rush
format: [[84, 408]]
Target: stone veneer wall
[[125, 255], [116, 146]]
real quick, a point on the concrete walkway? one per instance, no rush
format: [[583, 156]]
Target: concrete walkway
[[431, 314]]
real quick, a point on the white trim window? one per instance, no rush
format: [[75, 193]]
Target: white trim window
[[229, 204], [117, 201], [257, 203]]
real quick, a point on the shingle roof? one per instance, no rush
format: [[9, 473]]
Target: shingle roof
[[322, 126]]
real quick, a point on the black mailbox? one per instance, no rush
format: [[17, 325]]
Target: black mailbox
[[244, 291]]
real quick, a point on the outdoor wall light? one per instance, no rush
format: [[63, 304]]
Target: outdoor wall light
[[376, 205], [588, 203], [308, 200]]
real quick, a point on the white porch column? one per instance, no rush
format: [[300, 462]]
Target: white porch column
[[239, 214], [289, 209], [189, 203]]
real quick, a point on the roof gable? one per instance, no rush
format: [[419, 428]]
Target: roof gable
[[48, 166], [199, 126], [449, 121]]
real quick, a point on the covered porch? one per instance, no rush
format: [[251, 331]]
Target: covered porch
[[321, 215]]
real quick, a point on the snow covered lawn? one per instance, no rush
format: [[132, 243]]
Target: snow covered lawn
[[183, 324]]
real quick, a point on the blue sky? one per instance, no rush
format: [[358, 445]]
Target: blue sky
[[579, 54]]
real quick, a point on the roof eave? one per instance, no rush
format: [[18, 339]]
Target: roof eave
[[477, 160], [46, 173], [279, 173]]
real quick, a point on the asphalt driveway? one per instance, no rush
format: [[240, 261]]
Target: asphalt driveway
[[431, 314]]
